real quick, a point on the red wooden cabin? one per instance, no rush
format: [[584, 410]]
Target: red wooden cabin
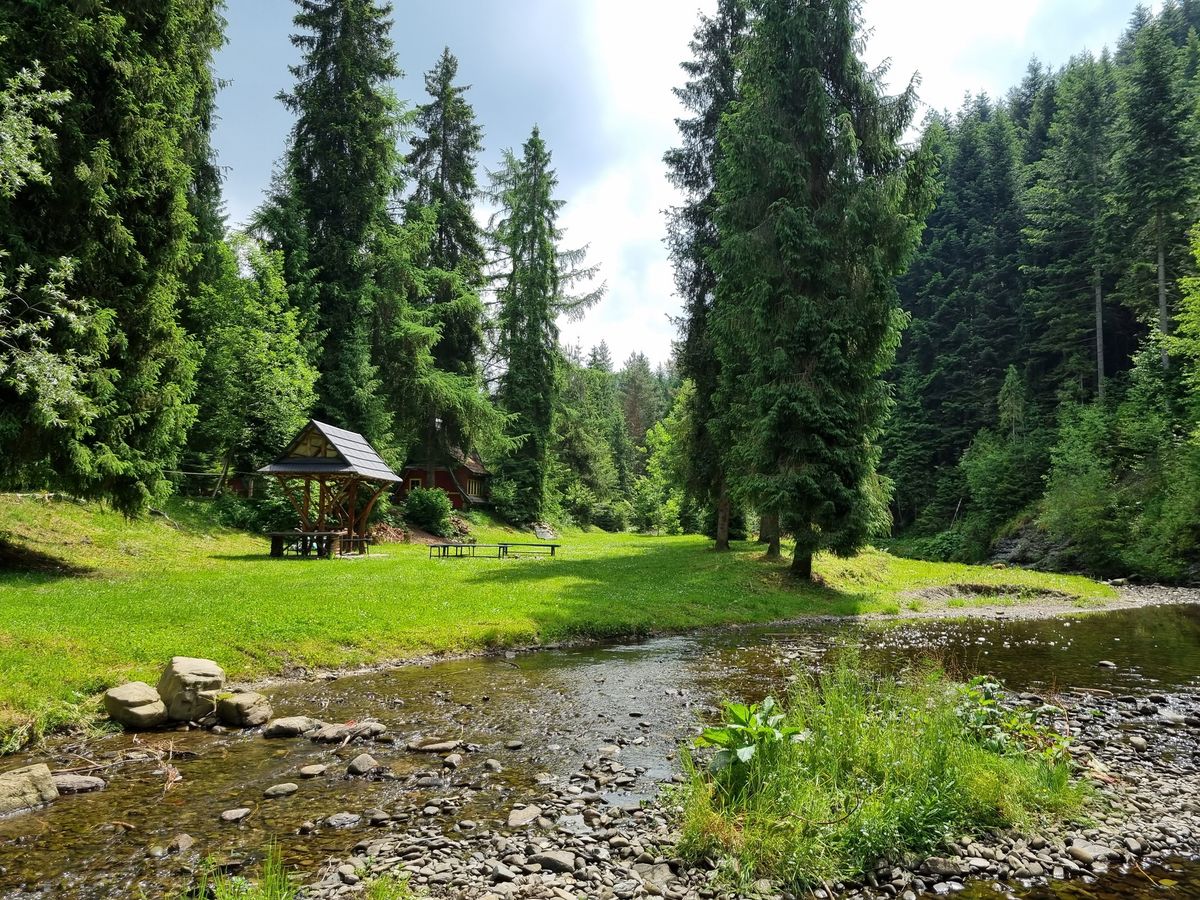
[[466, 481]]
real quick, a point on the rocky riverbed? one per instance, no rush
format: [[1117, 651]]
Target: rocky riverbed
[[547, 759], [568, 840]]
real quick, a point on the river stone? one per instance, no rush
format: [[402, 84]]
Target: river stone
[[291, 726], [313, 771], [554, 861], [78, 784], [26, 787], [436, 747], [1106, 664], [245, 710], [945, 868], [362, 764], [235, 815], [188, 687], [181, 843], [654, 873], [135, 705], [343, 820], [519, 818], [281, 790]]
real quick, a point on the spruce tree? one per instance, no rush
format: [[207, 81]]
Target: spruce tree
[[692, 236], [1068, 241], [532, 292], [444, 155], [117, 201], [819, 209], [342, 171], [1155, 167]]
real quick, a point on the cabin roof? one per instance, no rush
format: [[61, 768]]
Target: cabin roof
[[323, 449]]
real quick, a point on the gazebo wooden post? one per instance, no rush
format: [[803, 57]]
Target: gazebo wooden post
[[304, 516], [352, 510]]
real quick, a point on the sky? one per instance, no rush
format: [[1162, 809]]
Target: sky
[[596, 77]]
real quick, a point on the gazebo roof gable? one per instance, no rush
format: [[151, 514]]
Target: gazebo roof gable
[[323, 449]]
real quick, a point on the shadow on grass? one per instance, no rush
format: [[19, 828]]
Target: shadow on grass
[[662, 588], [16, 559]]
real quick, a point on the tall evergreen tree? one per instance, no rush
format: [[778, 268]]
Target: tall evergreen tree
[[692, 236], [820, 208], [533, 292], [1069, 254], [444, 155], [342, 172], [1155, 166], [116, 199]]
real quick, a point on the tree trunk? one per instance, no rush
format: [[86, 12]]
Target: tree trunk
[[1164, 320], [723, 506], [431, 456], [768, 533], [221, 480], [1099, 336], [802, 563]]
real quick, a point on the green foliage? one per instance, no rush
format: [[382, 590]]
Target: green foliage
[[860, 768], [273, 882], [1006, 729], [430, 509], [750, 741], [820, 206], [114, 197], [255, 383]]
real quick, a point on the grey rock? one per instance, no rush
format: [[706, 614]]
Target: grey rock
[[343, 820], [435, 747], [654, 873], [362, 764], [945, 867], [554, 861], [1106, 664], [181, 843], [244, 710], [314, 771], [135, 705], [281, 790], [291, 726], [520, 818], [78, 784], [189, 687], [235, 815], [26, 787]]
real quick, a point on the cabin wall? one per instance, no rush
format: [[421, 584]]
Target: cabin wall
[[444, 481]]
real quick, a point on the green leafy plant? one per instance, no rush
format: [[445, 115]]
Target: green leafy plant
[[1008, 730], [757, 730]]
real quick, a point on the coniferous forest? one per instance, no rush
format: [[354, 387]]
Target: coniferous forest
[[971, 334]]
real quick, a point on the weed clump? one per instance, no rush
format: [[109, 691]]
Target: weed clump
[[856, 771]]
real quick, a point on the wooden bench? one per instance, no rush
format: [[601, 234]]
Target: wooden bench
[[321, 544], [493, 551]]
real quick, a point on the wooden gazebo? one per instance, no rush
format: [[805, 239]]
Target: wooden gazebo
[[342, 478]]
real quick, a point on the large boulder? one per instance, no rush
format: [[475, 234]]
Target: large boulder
[[244, 710], [26, 787], [189, 687], [135, 705]]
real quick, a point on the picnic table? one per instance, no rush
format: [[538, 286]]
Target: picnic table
[[321, 544], [497, 551]]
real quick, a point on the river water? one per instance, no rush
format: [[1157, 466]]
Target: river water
[[561, 705]]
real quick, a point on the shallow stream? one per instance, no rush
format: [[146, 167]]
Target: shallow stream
[[561, 706]]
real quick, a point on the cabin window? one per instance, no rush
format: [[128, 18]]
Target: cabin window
[[414, 483], [475, 487]]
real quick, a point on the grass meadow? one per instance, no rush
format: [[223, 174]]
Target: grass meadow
[[89, 599]]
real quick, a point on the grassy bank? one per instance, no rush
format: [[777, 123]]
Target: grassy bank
[[855, 771], [111, 600]]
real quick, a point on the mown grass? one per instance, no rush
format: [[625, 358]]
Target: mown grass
[[881, 768], [154, 588]]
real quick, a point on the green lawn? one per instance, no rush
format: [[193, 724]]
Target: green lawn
[[142, 591]]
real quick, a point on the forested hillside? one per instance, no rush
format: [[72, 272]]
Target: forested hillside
[[989, 331], [1048, 372]]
